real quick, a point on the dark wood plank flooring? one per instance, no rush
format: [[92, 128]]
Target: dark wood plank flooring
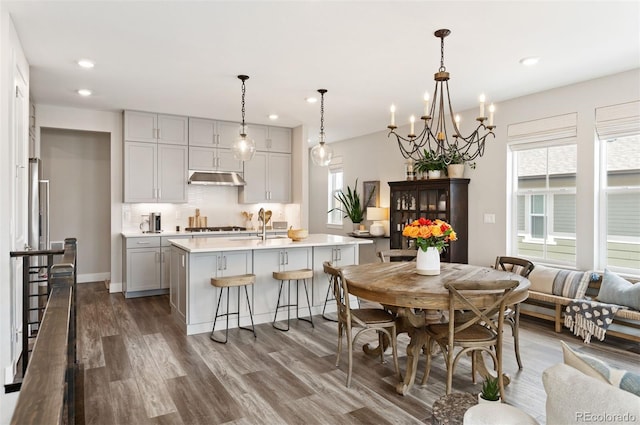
[[139, 368]]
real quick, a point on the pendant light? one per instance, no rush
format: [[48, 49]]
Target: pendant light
[[244, 147], [321, 153]]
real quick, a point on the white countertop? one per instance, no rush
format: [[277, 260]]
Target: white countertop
[[221, 233], [230, 244]]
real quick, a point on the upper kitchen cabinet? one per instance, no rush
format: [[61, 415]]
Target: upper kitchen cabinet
[[271, 139], [155, 172], [268, 177], [155, 128], [210, 145]]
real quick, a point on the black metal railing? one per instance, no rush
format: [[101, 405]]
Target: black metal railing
[[52, 365]]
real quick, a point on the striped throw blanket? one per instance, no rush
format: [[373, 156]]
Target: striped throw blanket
[[586, 318]]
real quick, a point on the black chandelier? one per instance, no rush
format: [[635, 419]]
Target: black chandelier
[[436, 139]]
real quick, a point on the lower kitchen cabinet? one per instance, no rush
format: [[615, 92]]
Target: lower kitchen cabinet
[[141, 265], [146, 265], [267, 261], [202, 296], [341, 255]]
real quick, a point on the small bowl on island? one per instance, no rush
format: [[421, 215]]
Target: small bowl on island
[[297, 234]]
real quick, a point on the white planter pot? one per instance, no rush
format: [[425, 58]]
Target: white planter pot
[[434, 174], [455, 171], [482, 400], [428, 262]]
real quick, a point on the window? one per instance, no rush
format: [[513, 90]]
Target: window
[[335, 185], [618, 135], [620, 203], [545, 204]]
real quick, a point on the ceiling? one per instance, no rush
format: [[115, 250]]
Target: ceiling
[[182, 57]]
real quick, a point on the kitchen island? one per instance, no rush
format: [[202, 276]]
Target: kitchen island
[[195, 261]]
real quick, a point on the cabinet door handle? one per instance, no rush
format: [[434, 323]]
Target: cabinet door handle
[[143, 243], [159, 193], [157, 256], [339, 253], [225, 262], [162, 257], [158, 136], [182, 260], [268, 143], [287, 257], [217, 139]]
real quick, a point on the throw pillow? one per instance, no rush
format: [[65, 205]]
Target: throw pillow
[[596, 368], [562, 282], [617, 290]]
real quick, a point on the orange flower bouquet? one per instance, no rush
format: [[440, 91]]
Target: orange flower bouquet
[[428, 233]]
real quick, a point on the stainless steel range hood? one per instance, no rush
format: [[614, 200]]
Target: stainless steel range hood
[[216, 178]]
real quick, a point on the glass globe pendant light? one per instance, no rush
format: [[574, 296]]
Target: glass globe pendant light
[[244, 147], [321, 153]]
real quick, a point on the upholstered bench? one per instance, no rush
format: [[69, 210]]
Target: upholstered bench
[[553, 288]]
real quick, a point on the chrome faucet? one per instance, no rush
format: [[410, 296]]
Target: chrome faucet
[[263, 235]]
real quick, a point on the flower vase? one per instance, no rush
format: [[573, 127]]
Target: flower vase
[[428, 262]]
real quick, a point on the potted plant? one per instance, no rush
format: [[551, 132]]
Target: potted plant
[[455, 161], [431, 164], [352, 207], [490, 390]]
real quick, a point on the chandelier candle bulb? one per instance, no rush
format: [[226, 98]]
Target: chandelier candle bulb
[[426, 104], [492, 109], [482, 100], [412, 120], [393, 114]]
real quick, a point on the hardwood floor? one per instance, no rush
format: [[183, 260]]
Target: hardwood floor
[[139, 368]]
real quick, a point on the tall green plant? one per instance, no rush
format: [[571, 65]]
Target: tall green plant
[[351, 205]]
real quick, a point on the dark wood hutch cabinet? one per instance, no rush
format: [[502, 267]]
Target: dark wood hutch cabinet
[[446, 199]]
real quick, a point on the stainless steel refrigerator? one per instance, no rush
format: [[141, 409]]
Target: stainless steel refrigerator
[[38, 207]]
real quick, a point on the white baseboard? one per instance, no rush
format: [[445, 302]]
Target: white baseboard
[[93, 277], [115, 287]]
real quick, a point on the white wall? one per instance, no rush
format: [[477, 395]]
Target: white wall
[[76, 163], [376, 157], [48, 116], [11, 55]]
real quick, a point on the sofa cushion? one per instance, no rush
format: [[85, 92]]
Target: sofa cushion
[[617, 290], [596, 368], [574, 398], [562, 282]]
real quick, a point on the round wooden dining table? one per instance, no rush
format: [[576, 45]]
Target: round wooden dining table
[[416, 299]]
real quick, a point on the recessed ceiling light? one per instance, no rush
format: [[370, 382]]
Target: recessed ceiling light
[[529, 61], [85, 63], [273, 117], [85, 92], [311, 99]]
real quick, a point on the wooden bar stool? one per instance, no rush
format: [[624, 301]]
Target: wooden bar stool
[[225, 283], [288, 276]]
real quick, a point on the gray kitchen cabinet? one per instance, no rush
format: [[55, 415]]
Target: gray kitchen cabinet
[[202, 295], [210, 145], [213, 159], [165, 259], [208, 133], [339, 256], [178, 283], [155, 128], [155, 172], [267, 261], [271, 139], [268, 177], [141, 266]]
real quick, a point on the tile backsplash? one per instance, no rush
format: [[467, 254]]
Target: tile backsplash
[[218, 203]]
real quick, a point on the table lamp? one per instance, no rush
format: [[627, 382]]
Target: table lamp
[[378, 216]]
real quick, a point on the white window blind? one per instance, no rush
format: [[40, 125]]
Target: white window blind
[[544, 129], [618, 120]]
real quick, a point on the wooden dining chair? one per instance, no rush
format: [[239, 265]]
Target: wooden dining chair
[[367, 319], [479, 333], [398, 255], [512, 313]]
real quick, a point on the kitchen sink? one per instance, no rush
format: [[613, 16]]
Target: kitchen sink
[[254, 237]]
